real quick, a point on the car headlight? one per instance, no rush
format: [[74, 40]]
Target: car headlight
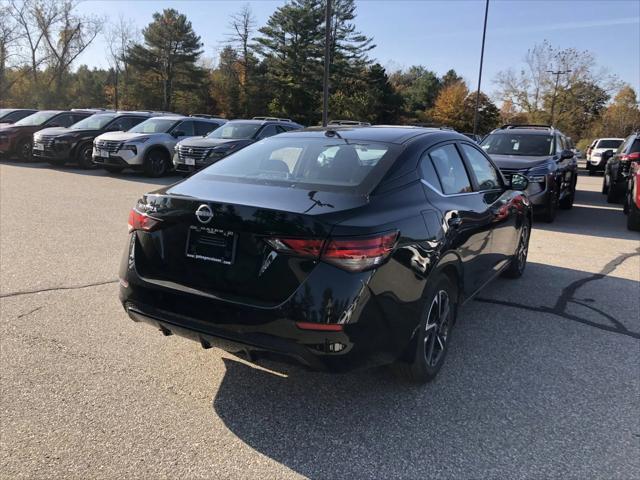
[[597, 154], [539, 174]]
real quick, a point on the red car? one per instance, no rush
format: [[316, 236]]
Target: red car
[[632, 201]]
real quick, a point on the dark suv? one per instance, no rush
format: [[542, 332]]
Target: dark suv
[[59, 145], [195, 153], [12, 115], [541, 153], [16, 140], [618, 168]]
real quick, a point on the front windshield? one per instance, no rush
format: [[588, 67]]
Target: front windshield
[[37, 118], [94, 122], [235, 131], [518, 144], [154, 125], [325, 163], [4, 111]]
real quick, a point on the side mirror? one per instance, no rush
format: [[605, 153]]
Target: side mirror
[[566, 154], [606, 155], [178, 133], [519, 182]]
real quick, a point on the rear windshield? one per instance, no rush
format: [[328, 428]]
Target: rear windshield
[[635, 148], [235, 131], [323, 163], [37, 118], [518, 144], [609, 144], [93, 122], [154, 125]]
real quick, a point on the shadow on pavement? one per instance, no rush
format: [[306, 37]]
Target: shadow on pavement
[[517, 376], [127, 175]]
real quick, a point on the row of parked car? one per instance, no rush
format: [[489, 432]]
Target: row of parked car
[[154, 142]]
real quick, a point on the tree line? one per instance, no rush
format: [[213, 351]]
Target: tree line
[[276, 69]]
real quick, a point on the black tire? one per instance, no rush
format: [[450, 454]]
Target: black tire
[[567, 202], [592, 170], [156, 163], [551, 209], [613, 194], [428, 350], [23, 150], [633, 217], [113, 169], [84, 157], [605, 183], [519, 260]]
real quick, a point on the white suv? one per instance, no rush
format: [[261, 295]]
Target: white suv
[[595, 161], [148, 145]]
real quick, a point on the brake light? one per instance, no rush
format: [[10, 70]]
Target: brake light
[[635, 156], [141, 221], [352, 254]]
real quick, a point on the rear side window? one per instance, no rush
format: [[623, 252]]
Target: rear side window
[[450, 169], [129, 122], [203, 128], [486, 175], [635, 147], [186, 128], [268, 131], [64, 120]]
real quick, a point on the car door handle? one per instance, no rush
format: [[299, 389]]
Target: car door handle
[[454, 222]]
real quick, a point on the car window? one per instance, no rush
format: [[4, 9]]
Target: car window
[[15, 116], [186, 128], [520, 144], [328, 164], [560, 145], [450, 169], [635, 148], [268, 131], [203, 128], [64, 120], [429, 172], [609, 144], [486, 175]]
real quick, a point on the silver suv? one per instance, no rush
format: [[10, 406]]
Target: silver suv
[[148, 146]]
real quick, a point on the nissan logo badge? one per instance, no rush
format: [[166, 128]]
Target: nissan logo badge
[[204, 213]]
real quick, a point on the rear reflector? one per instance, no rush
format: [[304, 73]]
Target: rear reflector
[[323, 327], [141, 221], [354, 254]]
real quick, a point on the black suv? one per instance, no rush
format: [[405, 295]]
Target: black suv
[[618, 168], [59, 145], [16, 140], [541, 153], [193, 154], [12, 115]]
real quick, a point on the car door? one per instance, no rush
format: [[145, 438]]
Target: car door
[[467, 223], [500, 202]]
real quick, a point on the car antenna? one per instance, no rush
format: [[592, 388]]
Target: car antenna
[[334, 133]]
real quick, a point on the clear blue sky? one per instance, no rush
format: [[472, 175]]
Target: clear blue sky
[[437, 34]]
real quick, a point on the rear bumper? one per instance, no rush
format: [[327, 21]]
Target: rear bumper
[[368, 337]]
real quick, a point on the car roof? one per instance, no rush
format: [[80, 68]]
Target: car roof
[[378, 133], [184, 117]]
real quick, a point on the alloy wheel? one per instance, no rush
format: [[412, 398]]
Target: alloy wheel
[[523, 247], [25, 151], [157, 162], [437, 328]]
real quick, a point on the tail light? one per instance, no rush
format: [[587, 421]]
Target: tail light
[[352, 254], [142, 221], [633, 157]]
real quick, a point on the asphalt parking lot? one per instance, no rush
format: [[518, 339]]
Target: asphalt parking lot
[[542, 380]]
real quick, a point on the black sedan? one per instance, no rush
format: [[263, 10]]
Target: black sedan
[[340, 247]]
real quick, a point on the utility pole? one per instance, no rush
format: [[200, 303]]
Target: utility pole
[[327, 61], [555, 89], [484, 34]]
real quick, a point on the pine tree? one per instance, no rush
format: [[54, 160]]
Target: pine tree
[[170, 51]]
